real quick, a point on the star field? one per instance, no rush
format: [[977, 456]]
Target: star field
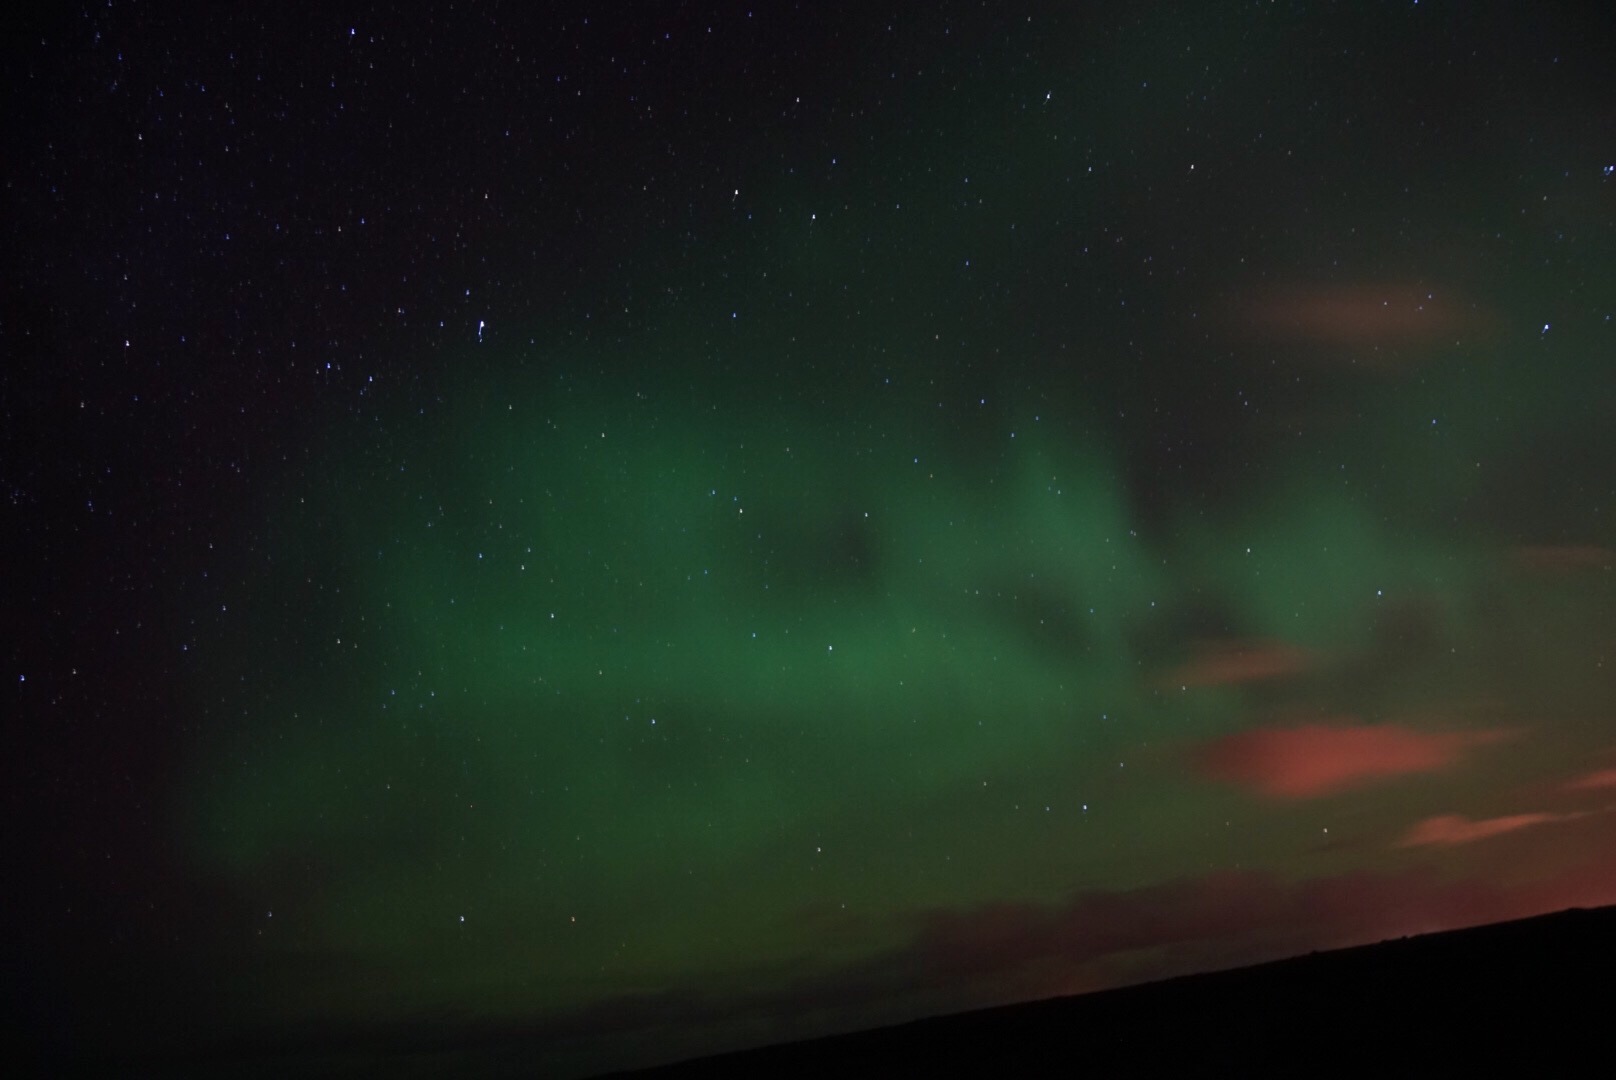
[[667, 529]]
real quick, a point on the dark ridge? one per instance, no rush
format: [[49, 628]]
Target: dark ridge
[[1535, 997]]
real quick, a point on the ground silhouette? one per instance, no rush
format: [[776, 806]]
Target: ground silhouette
[[1536, 996]]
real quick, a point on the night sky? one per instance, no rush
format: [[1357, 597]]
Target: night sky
[[643, 529]]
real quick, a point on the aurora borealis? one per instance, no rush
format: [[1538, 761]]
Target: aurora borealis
[[653, 533]]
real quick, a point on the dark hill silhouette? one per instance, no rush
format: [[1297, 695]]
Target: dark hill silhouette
[[1533, 997]]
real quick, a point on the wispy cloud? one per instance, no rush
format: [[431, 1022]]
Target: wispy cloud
[[1365, 314], [1450, 829], [1600, 778], [1232, 661], [1322, 759]]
